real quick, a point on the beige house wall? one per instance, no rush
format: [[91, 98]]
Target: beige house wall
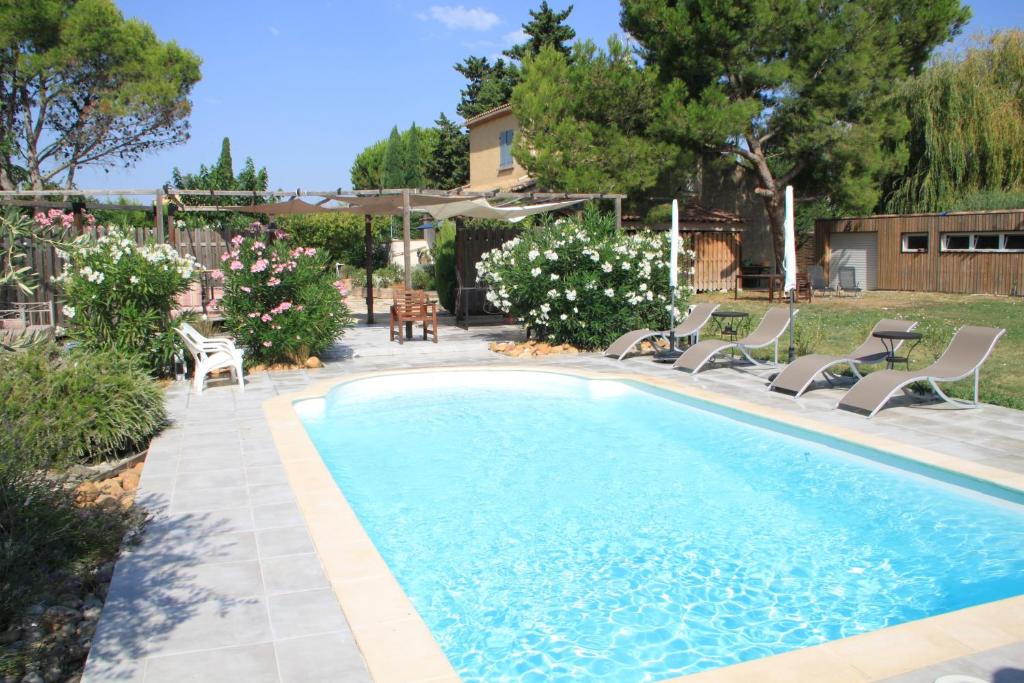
[[485, 154]]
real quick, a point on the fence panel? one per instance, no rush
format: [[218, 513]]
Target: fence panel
[[470, 245]]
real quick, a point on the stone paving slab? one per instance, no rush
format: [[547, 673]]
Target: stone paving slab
[[226, 584]]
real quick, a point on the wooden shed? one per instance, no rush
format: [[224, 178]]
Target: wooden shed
[[971, 252]]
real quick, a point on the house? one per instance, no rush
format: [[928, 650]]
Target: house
[[970, 252], [491, 165]]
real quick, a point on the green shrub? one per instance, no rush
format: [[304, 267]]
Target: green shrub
[[282, 302], [120, 296], [444, 265], [423, 277], [45, 538], [341, 235], [382, 277], [59, 409], [582, 282]]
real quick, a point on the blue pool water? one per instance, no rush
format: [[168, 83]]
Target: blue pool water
[[548, 527]]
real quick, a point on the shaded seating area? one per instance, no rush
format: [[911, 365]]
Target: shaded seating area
[[689, 327], [966, 353], [774, 323], [797, 377], [412, 306]]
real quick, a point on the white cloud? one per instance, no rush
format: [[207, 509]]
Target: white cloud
[[514, 37], [458, 17]]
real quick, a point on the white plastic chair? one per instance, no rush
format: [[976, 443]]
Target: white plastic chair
[[211, 353]]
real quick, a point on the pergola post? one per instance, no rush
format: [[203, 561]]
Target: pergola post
[[368, 219], [407, 256], [158, 214], [618, 213]]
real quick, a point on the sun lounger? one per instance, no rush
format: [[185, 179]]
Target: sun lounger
[[690, 326], [798, 375], [967, 351], [773, 325], [209, 354]]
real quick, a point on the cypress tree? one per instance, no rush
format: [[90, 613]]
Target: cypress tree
[[392, 172]]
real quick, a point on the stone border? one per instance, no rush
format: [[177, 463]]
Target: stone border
[[398, 646]]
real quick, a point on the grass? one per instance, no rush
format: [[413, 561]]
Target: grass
[[838, 324]]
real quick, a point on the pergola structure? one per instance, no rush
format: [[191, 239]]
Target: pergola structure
[[439, 204]]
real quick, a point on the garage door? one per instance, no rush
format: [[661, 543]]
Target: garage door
[[857, 250]]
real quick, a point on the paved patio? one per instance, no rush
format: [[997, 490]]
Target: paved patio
[[226, 582]]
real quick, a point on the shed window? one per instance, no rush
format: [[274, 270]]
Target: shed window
[[505, 147], [956, 243], [1014, 241], [915, 242], [987, 241]]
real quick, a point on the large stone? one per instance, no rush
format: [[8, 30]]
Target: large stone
[[86, 493], [129, 480], [110, 487], [313, 362]]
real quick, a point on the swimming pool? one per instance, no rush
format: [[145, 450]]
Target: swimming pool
[[546, 526]]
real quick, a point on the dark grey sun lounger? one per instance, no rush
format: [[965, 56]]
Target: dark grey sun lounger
[[772, 325], [967, 351], [691, 326], [796, 377]]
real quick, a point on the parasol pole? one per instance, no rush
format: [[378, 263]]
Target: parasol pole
[[670, 354], [789, 265]]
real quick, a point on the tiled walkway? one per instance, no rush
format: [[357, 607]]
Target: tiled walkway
[[226, 584]]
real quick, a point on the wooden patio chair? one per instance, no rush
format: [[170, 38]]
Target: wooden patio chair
[[804, 290], [412, 306]]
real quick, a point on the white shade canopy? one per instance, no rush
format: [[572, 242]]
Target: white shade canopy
[[673, 259]]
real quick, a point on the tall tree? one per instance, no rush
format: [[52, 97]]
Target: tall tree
[[545, 28], [392, 172], [220, 176], [966, 127], [489, 84], [587, 126], [366, 169], [82, 86], [791, 91], [447, 166], [413, 167]]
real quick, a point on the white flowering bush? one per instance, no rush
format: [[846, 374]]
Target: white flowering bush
[[119, 295], [582, 282]]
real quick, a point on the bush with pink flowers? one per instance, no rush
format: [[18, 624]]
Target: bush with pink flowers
[[281, 301]]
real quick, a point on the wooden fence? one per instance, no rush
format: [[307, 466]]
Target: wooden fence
[[470, 245], [717, 259], [205, 245]]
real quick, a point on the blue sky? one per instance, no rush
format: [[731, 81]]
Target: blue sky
[[303, 86]]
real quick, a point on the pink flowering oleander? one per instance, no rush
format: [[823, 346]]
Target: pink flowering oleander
[[310, 251], [259, 266], [259, 245], [225, 256], [246, 289], [266, 317], [236, 265], [268, 344], [273, 282], [236, 240], [254, 314], [217, 274], [281, 307]]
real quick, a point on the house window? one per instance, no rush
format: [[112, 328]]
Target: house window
[[505, 147], [915, 242], [982, 241]]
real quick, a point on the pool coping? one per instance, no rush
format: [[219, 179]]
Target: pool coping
[[398, 646]]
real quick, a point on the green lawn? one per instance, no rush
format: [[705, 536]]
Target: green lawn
[[838, 324]]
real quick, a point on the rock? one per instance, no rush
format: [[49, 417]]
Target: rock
[[57, 616], [138, 466], [91, 613], [313, 362], [86, 631], [107, 501], [110, 487], [9, 636], [129, 480], [86, 493], [127, 500]]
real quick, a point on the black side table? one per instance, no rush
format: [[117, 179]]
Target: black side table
[[729, 325], [892, 341]]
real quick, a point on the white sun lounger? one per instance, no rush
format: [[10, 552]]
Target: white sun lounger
[[689, 327], [772, 326], [211, 353], [796, 377]]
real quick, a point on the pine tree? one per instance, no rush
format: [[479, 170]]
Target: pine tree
[[545, 28], [448, 166], [392, 174], [413, 167], [490, 85]]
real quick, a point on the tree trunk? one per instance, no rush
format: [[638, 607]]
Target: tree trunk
[[775, 207]]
